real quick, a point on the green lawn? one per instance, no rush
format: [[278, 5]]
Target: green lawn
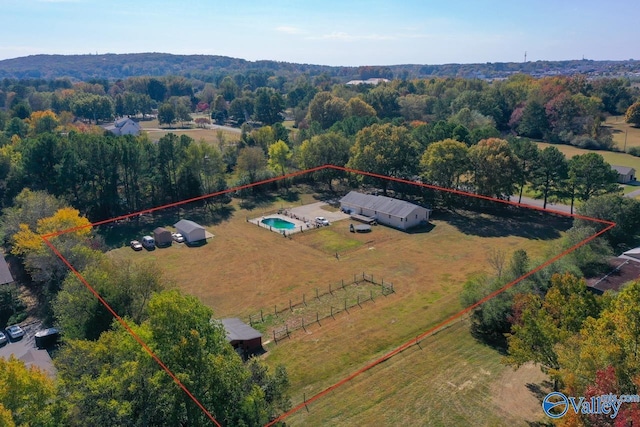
[[620, 159]]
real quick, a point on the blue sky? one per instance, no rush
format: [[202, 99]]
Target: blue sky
[[327, 32]]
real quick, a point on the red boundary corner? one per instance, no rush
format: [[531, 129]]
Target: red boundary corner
[[46, 238]]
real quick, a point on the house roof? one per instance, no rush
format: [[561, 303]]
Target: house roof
[[623, 170], [624, 269], [5, 273], [187, 226], [380, 204], [237, 330]]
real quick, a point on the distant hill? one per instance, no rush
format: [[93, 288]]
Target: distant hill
[[209, 67]]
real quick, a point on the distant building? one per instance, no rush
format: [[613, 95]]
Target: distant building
[[625, 174], [372, 81], [124, 126], [385, 210]]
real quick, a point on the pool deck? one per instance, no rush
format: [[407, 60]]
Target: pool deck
[[299, 222]]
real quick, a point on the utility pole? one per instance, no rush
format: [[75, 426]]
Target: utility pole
[[525, 56]]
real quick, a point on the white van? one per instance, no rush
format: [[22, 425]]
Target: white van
[[148, 242]]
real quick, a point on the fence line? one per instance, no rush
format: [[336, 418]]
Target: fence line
[[293, 322]]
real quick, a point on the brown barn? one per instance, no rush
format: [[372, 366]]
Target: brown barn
[[242, 336], [162, 237]]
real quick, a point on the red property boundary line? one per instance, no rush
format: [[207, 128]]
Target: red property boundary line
[[46, 238]]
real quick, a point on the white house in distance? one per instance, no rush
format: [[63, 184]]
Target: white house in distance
[[385, 210], [625, 174], [191, 231], [124, 126]]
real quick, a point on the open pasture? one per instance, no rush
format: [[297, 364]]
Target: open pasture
[[245, 268]]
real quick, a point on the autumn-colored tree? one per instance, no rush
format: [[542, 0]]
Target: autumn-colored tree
[[42, 121], [26, 395], [539, 325], [26, 240], [633, 114]]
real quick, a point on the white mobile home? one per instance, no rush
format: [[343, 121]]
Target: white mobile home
[[385, 210]]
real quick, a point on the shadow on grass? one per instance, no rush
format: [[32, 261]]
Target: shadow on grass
[[119, 234], [507, 222], [258, 200]]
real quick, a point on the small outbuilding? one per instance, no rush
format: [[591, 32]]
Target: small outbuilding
[[162, 237], [5, 274], [192, 232], [242, 336], [384, 210], [625, 174]]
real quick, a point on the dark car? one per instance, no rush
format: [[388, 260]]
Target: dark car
[[47, 337]]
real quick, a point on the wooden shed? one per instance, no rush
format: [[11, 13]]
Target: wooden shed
[[162, 237], [242, 336]]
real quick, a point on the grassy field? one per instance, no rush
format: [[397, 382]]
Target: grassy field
[[450, 379], [620, 159], [212, 136], [244, 269], [622, 131]]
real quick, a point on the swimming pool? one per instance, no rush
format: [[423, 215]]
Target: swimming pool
[[278, 223]]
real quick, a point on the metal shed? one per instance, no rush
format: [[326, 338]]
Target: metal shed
[[191, 231]]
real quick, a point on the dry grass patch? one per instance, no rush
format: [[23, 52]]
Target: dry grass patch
[[450, 379], [245, 268], [622, 131]]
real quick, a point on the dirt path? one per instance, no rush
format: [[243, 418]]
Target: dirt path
[[520, 392]]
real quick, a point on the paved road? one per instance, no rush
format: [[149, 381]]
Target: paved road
[[633, 194], [540, 203]]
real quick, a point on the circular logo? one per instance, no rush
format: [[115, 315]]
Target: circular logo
[[555, 404]]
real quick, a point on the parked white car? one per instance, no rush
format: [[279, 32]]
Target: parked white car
[[177, 237], [15, 332], [3, 338], [320, 220]]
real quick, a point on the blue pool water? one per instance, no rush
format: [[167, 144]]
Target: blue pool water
[[278, 223]]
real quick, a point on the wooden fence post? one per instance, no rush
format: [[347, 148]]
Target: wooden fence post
[[330, 291], [317, 318], [332, 312], [343, 284], [305, 329], [261, 316], [290, 307], [275, 310], [359, 301], [274, 337], [304, 300], [317, 297]]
